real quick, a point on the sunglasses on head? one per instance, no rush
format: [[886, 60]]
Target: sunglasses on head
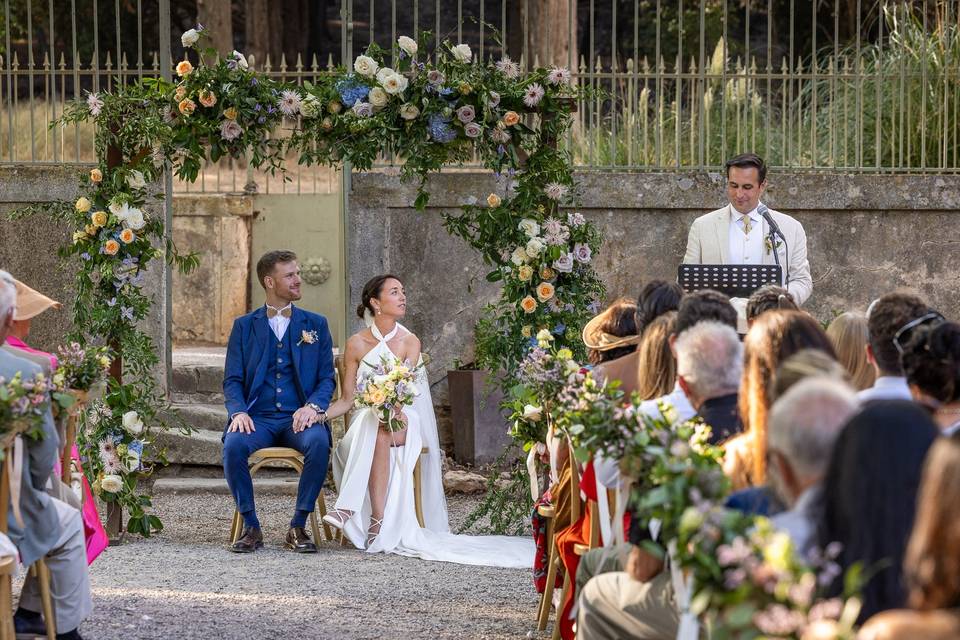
[[902, 337]]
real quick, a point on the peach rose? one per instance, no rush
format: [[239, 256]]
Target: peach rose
[[511, 118], [528, 304], [545, 291], [184, 68], [547, 273], [82, 205], [526, 331], [99, 218], [96, 176], [207, 98], [180, 93], [111, 247], [230, 114], [127, 236], [187, 106], [90, 230], [493, 200], [525, 272]]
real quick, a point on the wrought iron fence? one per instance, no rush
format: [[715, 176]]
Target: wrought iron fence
[[858, 85]]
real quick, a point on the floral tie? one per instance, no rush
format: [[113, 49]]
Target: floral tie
[[747, 225]]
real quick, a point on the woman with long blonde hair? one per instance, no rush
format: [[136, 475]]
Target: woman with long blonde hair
[[849, 335]]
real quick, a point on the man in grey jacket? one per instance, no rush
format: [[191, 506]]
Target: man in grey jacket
[[51, 529]]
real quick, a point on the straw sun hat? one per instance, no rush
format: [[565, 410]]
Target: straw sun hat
[[32, 303], [594, 336]]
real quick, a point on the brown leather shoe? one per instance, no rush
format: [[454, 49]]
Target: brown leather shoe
[[250, 541], [299, 542]]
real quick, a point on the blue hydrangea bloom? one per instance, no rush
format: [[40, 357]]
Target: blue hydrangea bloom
[[559, 329], [440, 129], [351, 90]]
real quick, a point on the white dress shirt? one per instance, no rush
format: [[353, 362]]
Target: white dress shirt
[[279, 323], [887, 388], [608, 470], [746, 248]]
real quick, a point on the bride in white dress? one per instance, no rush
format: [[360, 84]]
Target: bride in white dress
[[373, 468]]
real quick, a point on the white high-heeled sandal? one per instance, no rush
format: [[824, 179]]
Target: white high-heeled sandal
[[337, 518], [372, 535]]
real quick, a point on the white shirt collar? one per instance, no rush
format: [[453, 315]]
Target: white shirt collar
[[736, 215]]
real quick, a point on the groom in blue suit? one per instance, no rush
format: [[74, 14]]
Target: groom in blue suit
[[277, 385]]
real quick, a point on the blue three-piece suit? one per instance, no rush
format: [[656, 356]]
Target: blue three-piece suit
[[269, 379]]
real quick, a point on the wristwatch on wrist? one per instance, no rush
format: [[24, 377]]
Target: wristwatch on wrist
[[321, 413]]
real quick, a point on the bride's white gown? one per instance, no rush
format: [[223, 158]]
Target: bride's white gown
[[400, 532]]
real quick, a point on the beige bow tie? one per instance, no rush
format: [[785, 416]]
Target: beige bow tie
[[747, 224], [273, 311]]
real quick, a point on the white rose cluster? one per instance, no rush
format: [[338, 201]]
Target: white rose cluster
[[408, 45], [189, 38], [365, 66], [462, 53]]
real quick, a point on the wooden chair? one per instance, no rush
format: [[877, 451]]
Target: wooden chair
[[340, 367], [291, 458], [554, 562], [8, 563]]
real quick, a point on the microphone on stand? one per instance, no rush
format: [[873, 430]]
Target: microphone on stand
[[764, 212]]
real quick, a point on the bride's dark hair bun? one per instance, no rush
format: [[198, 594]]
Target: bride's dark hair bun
[[373, 289]]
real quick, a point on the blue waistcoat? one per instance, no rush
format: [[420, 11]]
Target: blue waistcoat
[[278, 394]]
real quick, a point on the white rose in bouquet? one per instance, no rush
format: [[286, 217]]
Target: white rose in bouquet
[[408, 45], [365, 66], [132, 422], [462, 53], [111, 483], [189, 37], [378, 97]]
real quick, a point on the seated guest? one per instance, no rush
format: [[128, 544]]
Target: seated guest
[[611, 340], [887, 316], [774, 336], [850, 338], [51, 529], [695, 307], [932, 565], [30, 304], [709, 363], [806, 363], [931, 363], [656, 298], [873, 477], [803, 426], [768, 298], [657, 368]]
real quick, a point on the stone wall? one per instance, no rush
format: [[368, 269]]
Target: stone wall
[[867, 235], [28, 250]]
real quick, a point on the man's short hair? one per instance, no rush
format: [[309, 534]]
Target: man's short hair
[[888, 315], [805, 422], [710, 359], [747, 160], [704, 305], [8, 295], [271, 259]]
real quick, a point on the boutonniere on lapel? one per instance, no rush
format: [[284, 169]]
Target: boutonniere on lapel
[[769, 245], [307, 336]]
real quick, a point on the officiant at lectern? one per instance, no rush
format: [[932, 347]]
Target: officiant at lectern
[[740, 233]]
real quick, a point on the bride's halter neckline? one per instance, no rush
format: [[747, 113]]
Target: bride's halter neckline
[[384, 338]]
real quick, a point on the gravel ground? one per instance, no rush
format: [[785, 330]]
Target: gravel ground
[[184, 584]]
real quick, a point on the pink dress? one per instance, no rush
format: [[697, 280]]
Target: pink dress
[[93, 530]]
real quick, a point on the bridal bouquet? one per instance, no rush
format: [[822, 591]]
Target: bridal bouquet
[[385, 388], [22, 404]]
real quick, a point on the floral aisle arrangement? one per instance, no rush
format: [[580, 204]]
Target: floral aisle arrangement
[[23, 402], [426, 111], [387, 387]]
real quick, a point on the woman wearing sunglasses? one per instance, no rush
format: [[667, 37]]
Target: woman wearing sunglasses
[[930, 354]]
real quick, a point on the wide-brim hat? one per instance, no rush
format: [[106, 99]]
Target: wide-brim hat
[[598, 340], [31, 302]]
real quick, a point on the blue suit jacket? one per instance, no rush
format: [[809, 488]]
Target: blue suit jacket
[[246, 363]]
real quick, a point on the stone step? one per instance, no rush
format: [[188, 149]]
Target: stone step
[[202, 447], [197, 373], [218, 486], [204, 417]]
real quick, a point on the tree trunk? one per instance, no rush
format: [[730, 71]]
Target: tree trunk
[[549, 33], [216, 16]]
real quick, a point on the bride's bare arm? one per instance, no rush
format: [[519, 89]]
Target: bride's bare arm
[[348, 385]]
